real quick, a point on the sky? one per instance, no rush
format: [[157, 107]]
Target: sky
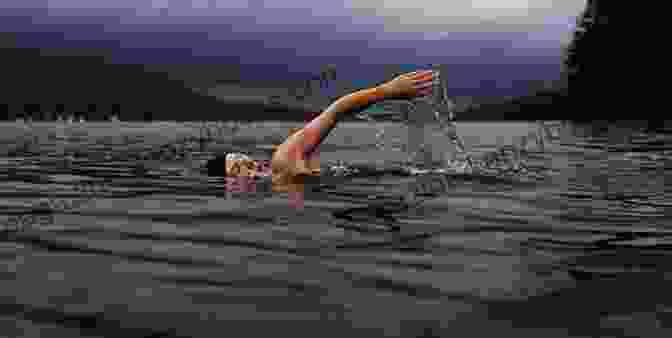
[[488, 47]]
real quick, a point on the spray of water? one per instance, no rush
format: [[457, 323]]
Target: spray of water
[[407, 112], [497, 161]]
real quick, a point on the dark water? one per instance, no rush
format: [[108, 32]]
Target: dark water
[[576, 246]]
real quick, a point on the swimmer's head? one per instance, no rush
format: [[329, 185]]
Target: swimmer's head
[[232, 164], [238, 164]]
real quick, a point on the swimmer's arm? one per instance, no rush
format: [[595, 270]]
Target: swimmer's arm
[[305, 141], [317, 130], [302, 143]]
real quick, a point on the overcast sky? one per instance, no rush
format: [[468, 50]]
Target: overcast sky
[[489, 46]]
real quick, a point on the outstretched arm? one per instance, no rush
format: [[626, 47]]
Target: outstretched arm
[[304, 142], [315, 131]]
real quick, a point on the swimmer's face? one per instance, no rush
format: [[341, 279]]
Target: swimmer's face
[[242, 167]]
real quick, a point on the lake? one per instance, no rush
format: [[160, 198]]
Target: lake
[[580, 245]]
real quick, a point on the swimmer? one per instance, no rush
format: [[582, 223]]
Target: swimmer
[[295, 159]]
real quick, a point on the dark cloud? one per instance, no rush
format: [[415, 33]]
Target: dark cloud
[[263, 46]]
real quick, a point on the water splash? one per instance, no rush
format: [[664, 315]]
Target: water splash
[[505, 160]]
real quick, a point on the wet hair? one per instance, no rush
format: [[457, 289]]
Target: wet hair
[[219, 165]]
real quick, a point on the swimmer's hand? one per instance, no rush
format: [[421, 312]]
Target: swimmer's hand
[[409, 85]]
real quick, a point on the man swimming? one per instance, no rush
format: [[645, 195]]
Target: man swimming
[[294, 159]]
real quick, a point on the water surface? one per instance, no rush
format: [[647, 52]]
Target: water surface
[[578, 245]]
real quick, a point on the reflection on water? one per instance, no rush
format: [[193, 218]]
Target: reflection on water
[[576, 243]]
